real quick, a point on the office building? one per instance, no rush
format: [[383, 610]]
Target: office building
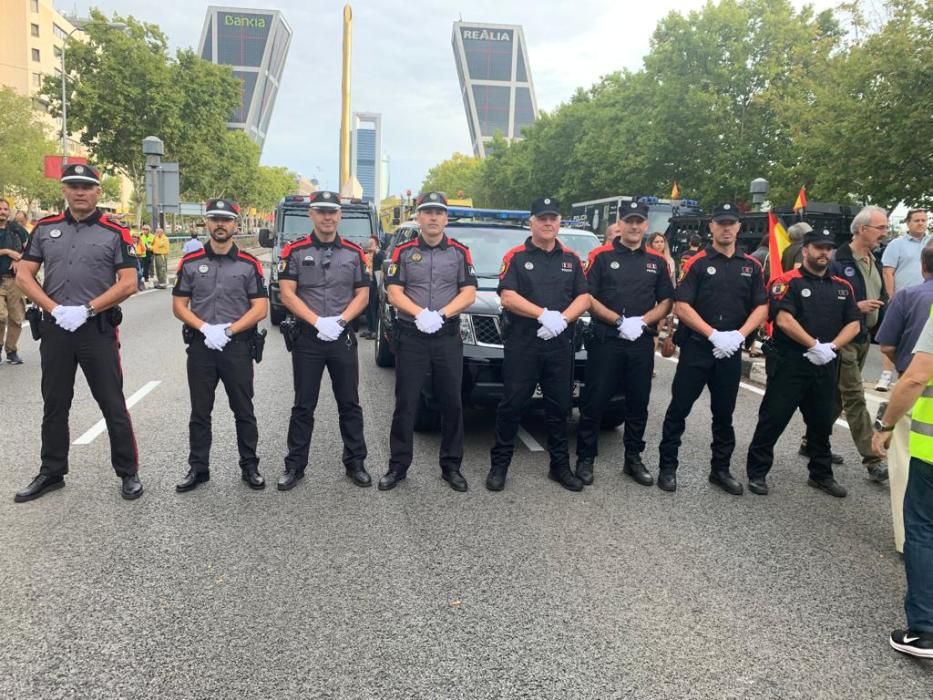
[[254, 43], [495, 81], [367, 163]]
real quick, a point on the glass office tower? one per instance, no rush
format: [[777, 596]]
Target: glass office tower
[[254, 43], [495, 82]]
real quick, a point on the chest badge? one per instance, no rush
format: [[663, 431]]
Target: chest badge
[[203, 268], [615, 265], [711, 270], [850, 272], [309, 258], [529, 266], [805, 293], [55, 233], [417, 257]]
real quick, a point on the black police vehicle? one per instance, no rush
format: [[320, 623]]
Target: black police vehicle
[[597, 214], [483, 352], [358, 221], [820, 215]]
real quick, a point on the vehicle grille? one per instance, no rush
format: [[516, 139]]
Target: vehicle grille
[[487, 330]]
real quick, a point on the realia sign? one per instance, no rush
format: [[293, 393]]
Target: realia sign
[[487, 34]]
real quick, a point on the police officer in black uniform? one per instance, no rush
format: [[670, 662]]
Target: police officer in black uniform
[[220, 295], [814, 314], [543, 290], [719, 300], [323, 282], [429, 281], [89, 265], [631, 291]]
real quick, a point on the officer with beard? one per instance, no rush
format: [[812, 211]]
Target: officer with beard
[[814, 315], [220, 295]]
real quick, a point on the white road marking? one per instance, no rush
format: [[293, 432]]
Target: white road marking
[[148, 291], [529, 441], [100, 426], [754, 389]]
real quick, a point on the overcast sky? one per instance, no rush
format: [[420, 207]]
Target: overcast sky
[[403, 66]]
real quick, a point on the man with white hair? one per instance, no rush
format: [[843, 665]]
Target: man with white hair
[[856, 264]]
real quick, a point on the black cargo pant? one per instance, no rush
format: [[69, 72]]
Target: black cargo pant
[[416, 356], [234, 367], [696, 369], [95, 346], [613, 366], [530, 361], [794, 382], [310, 356]]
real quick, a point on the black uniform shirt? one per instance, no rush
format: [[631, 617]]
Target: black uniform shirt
[[629, 282], [13, 237], [549, 279], [722, 290], [432, 277], [220, 286], [328, 274], [823, 305], [79, 258]]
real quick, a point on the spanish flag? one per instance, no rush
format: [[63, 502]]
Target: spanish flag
[[801, 202], [675, 191], [778, 240]]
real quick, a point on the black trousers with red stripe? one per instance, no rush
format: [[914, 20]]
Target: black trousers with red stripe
[[95, 347]]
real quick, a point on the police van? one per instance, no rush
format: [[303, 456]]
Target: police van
[[597, 214], [489, 234], [358, 221]]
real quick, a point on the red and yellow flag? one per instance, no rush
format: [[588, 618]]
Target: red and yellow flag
[[778, 240], [801, 202], [675, 191]]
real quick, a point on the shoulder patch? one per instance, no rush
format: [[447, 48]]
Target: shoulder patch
[[350, 245], [294, 245], [462, 248], [191, 256], [405, 246]]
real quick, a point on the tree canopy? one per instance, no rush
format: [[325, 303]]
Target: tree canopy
[[738, 90]]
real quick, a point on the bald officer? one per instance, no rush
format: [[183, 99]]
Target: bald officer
[[220, 295], [429, 282], [324, 283], [89, 267]]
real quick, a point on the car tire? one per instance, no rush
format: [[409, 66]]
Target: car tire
[[383, 353], [276, 315], [427, 419]]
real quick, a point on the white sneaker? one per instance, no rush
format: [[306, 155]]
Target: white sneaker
[[884, 381]]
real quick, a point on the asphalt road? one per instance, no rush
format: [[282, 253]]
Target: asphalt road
[[333, 591]]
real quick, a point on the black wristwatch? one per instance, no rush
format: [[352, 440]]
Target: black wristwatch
[[442, 315], [881, 427], [342, 322], [619, 322], [91, 311], [228, 332]]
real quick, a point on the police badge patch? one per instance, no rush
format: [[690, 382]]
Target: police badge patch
[[283, 265], [393, 268], [778, 289], [131, 250]]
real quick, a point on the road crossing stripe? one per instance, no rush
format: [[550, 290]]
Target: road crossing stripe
[[100, 426]]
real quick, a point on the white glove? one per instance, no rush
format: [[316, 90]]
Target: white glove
[[215, 336], [631, 328], [70, 318], [725, 343], [821, 354], [328, 328], [429, 321], [720, 354], [545, 334], [553, 321], [738, 340]]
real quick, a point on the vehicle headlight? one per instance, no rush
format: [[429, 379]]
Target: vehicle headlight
[[467, 335]]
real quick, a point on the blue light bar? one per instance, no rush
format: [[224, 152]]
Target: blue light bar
[[471, 213]]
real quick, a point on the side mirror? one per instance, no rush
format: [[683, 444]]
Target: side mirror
[[266, 239]]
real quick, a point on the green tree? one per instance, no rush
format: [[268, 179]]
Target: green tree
[[24, 141], [459, 173], [269, 186]]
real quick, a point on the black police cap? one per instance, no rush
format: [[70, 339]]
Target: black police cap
[[429, 200], [627, 209], [819, 237], [325, 199], [545, 205], [727, 211], [80, 173], [222, 209]]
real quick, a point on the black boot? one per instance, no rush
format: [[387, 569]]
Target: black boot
[[390, 480], [39, 486], [132, 487], [290, 479], [455, 479], [585, 470], [726, 482], [636, 469], [565, 478], [495, 481], [359, 476], [254, 479], [191, 480], [667, 480]]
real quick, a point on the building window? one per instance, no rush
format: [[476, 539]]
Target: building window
[[34, 5], [57, 50], [35, 55], [59, 32], [34, 29], [37, 80]]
